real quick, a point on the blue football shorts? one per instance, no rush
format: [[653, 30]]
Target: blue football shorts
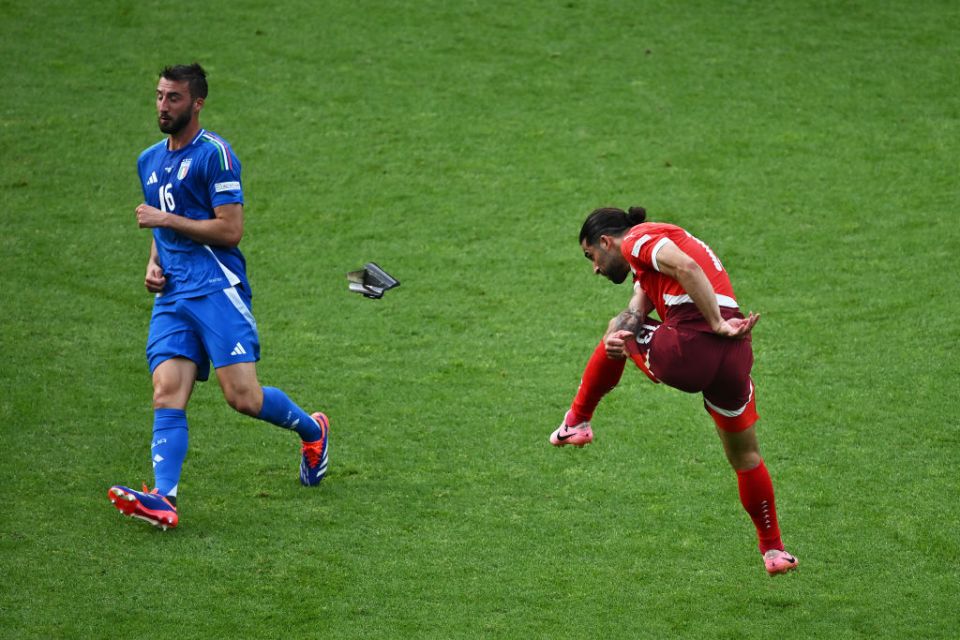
[[217, 328]]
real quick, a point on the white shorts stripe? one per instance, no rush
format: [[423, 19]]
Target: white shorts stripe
[[244, 310], [728, 413]]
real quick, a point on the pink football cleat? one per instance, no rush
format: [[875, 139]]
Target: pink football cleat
[[577, 435], [777, 561]]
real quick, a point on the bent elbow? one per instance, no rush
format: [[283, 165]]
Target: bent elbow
[[688, 269], [232, 238]]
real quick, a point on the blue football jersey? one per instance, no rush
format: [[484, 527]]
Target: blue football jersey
[[190, 182]]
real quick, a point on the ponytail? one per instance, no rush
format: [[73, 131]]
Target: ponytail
[[610, 221], [636, 215]]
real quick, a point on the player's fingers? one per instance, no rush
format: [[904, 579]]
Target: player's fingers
[[737, 328], [614, 349], [746, 325], [155, 283]]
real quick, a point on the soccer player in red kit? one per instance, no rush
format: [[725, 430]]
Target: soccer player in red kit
[[700, 345]]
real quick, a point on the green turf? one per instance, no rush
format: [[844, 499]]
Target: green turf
[[814, 145]]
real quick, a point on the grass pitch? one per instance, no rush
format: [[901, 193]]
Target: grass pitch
[[813, 145]]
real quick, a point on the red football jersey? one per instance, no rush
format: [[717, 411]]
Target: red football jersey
[[640, 246]]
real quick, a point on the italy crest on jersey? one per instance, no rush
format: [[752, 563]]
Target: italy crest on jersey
[[184, 168]]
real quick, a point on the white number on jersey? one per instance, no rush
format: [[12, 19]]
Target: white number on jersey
[[167, 203], [713, 256]]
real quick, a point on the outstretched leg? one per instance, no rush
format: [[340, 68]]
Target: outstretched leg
[[601, 375]]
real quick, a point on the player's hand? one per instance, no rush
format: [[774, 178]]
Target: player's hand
[[737, 327], [617, 344], [155, 281], [149, 217]]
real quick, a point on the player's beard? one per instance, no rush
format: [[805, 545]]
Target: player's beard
[[616, 271], [618, 276], [176, 125]]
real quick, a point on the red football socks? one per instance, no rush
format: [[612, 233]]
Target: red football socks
[[756, 496], [599, 378]]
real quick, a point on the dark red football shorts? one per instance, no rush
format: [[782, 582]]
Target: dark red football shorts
[[699, 362]]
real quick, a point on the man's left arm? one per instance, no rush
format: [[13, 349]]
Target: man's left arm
[[672, 261], [225, 229]]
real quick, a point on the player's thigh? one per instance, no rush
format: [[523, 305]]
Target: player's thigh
[[684, 359], [225, 324], [173, 335], [731, 398]]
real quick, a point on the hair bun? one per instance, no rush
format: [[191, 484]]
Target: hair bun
[[636, 215]]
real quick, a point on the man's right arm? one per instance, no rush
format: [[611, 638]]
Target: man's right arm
[[624, 325]]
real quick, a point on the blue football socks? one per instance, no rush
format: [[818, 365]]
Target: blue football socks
[[168, 449], [278, 409]]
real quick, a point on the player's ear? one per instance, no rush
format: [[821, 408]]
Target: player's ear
[[198, 104]]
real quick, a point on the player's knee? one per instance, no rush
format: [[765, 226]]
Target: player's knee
[[744, 460], [245, 401], [167, 397], [160, 398]]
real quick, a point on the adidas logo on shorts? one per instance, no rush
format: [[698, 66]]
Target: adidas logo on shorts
[[238, 350]]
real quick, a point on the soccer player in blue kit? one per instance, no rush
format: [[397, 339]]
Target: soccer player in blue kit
[[193, 202]]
